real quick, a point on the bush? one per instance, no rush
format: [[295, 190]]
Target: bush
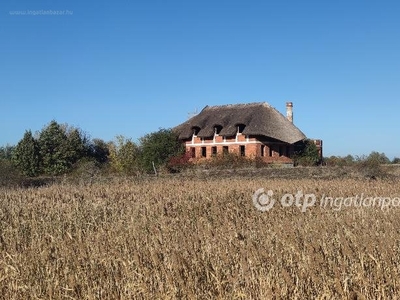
[[86, 170], [339, 161], [307, 155], [179, 163], [396, 160], [379, 158], [9, 175], [158, 148], [371, 166], [227, 161]]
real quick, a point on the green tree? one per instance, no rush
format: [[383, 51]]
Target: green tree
[[378, 158], [128, 155], [99, 150], [26, 155], [60, 148], [158, 147], [396, 160], [348, 160], [308, 154], [124, 155], [78, 144], [6, 152]]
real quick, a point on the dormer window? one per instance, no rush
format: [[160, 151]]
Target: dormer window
[[217, 129], [240, 128], [195, 130]]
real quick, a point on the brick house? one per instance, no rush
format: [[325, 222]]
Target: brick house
[[250, 130]]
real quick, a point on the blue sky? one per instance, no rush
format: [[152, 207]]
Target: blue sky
[[131, 67]]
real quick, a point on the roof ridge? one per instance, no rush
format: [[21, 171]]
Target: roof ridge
[[237, 105]]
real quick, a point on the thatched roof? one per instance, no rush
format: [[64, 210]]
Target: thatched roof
[[259, 119]]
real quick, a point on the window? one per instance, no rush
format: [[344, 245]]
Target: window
[[270, 151], [281, 150], [288, 152], [240, 128], [203, 151], [214, 151], [225, 149], [193, 152], [262, 150], [195, 130], [217, 129], [242, 150]]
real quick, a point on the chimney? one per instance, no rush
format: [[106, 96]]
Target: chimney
[[289, 111]]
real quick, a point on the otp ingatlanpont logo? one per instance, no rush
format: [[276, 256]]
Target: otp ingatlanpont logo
[[263, 201]]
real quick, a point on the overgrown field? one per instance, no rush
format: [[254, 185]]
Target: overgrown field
[[175, 238]]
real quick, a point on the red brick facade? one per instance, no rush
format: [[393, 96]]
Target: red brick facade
[[251, 147]]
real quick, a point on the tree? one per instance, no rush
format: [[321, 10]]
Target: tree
[[348, 160], [378, 158], [99, 150], [79, 144], [6, 152], [128, 155], [308, 154], [396, 160], [158, 147], [60, 148], [124, 155], [26, 155]]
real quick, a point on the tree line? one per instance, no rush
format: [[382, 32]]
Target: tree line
[[59, 148], [350, 160]]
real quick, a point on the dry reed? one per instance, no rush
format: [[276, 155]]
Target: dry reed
[[196, 239]]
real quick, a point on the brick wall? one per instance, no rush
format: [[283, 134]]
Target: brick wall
[[240, 145]]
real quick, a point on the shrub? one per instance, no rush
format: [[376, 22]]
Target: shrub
[[179, 163], [339, 161], [9, 175], [227, 161], [86, 170], [158, 147], [371, 166], [307, 155], [396, 160]]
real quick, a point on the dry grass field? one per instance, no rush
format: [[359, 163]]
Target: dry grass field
[[175, 238]]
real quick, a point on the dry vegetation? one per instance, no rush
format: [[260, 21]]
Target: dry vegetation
[[171, 238]]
